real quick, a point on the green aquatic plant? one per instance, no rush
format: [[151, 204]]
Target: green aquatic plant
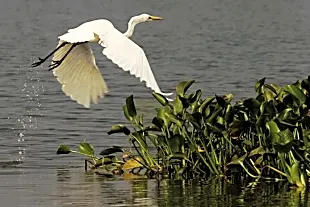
[[266, 137]]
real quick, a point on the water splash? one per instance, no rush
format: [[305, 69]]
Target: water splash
[[31, 109]]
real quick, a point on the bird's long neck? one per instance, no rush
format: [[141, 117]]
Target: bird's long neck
[[131, 28]]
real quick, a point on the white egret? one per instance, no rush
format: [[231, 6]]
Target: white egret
[[74, 63]]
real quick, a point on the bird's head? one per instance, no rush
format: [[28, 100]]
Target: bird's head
[[145, 18]]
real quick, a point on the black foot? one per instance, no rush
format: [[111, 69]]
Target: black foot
[[55, 64], [35, 64]]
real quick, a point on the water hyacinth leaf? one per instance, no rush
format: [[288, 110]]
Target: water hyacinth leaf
[[157, 122], [162, 115], [237, 160], [196, 123], [119, 128], [306, 121], [173, 118], [297, 84], [141, 120], [86, 149], [205, 104], [259, 86], [237, 127], [183, 86], [63, 149], [270, 108], [111, 151], [176, 142], [177, 106], [220, 120], [283, 141], [160, 98], [273, 127], [296, 93], [228, 97], [126, 114], [252, 104], [259, 160], [295, 172], [268, 96], [221, 101], [286, 113], [213, 116], [305, 84], [196, 97], [258, 151], [274, 88], [131, 107]]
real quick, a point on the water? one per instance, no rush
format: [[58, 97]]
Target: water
[[225, 45]]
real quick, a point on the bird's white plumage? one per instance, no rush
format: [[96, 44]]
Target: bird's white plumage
[[79, 74]]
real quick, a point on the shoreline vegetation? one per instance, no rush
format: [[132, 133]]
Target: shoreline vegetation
[[263, 138]]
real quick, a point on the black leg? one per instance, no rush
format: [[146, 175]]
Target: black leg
[[56, 63], [49, 55]]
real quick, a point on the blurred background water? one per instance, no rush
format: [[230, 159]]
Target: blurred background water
[[225, 45]]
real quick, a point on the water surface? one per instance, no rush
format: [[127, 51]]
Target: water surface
[[225, 45]]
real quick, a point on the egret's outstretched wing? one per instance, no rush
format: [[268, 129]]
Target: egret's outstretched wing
[[79, 75], [129, 56]]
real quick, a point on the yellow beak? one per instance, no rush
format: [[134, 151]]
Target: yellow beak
[[156, 18]]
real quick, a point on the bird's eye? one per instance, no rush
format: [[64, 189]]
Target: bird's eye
[[150, 17]]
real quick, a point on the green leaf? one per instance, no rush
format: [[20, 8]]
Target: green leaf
[[268, 96], [86, 149], [258, 151], [274, 88], [195, 98], [259, 160], [157, 122], [221, 101], [176, 142], [119, 128], [160, 98], [131, 107], [296, 93], [295, 172], [63, 149], [111, 151], [161, 115], [253, 105], [173, 118], [283, 141], [177, 106], [237, 160], [273, 127], [259, 86], [126, 113], [285, 114], [205, 105], [183, 86]]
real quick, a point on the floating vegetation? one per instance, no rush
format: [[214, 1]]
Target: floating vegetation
[[262, 138]]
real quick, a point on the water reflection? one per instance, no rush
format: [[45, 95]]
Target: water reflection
[[88, 189]]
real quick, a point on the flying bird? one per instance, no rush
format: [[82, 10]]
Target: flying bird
[[74, 63]]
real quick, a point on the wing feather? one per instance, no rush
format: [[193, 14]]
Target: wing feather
[[128, 56], [79, 75]]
